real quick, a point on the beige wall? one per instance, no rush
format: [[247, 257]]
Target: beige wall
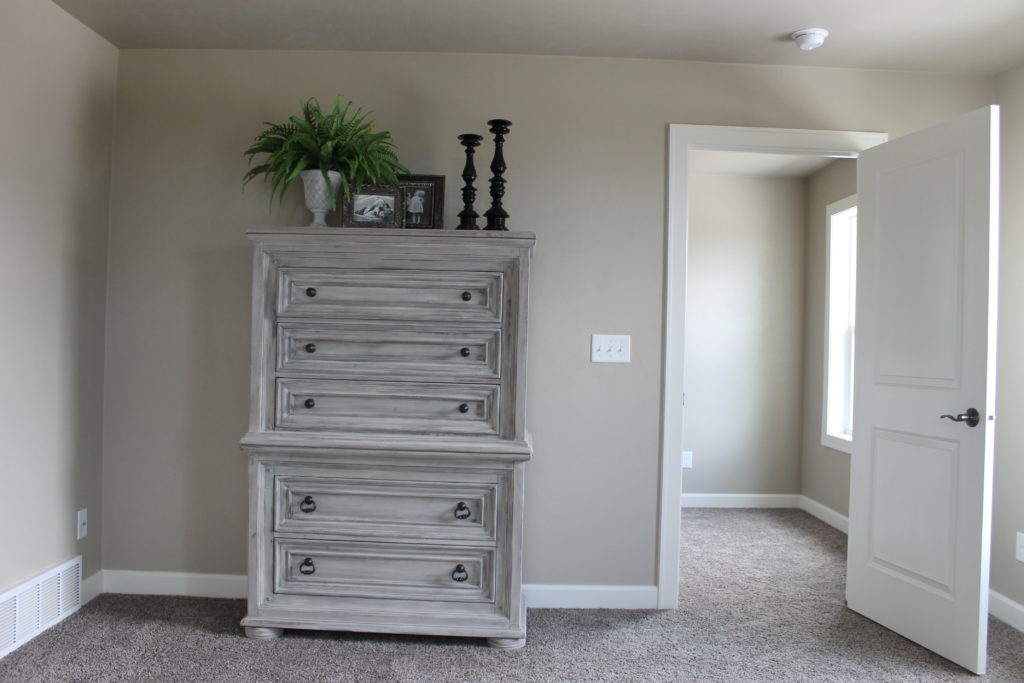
[[824, 472], [744, 334], [1008, 519], [587, 174], [58, 102]]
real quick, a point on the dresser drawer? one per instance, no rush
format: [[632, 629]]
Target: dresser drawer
[[386, 508], [388, 352], [390, 294], [383, 570], [408, 407]]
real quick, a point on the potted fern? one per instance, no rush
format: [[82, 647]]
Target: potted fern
[[328, 151]]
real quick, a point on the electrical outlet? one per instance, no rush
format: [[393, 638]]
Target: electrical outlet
[[82, 523], [1020, 547], [687, 459], [609, 348]]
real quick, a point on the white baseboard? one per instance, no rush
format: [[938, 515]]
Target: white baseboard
[[175, 583], [235, 586], [1005, 609], [92, 587], [565, 596], [590, 596], [825, 514], [739, 500]]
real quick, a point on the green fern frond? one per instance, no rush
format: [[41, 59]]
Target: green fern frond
[[340, 140]]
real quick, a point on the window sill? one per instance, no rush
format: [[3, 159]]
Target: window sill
[[839, 443]]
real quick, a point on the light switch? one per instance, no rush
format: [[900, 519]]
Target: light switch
[[609, 348]]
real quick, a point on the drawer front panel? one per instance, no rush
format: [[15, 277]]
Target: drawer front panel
[[389, 294], [412, 407], [385, 352], [386, 509], [383, 570]]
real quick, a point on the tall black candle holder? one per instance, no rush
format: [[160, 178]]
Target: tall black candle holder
[[468, 215], [497, 215]]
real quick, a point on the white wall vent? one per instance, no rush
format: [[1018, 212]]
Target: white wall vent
[[39, 603]]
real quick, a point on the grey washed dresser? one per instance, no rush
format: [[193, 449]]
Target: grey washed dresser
[[387, 438]]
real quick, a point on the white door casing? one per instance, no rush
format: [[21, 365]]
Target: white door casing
[[681, 139], [920, 491]]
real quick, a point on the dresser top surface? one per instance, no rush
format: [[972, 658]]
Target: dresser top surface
[[258, 233]]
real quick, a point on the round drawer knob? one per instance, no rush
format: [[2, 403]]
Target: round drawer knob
[[308, 505], [466, 296], [460, 574], [464, 352], [307, 567], [310, 292], [463, 407], [310, 347], [309, 403], [462, 511]]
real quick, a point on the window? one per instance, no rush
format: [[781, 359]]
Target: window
[[840, 301]]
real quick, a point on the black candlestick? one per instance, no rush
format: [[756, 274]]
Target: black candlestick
[[468, 215], [497, 215]]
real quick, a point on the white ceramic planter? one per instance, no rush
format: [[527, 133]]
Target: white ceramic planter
[[318, 195]]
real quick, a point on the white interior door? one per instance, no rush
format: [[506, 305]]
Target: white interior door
[[920, 490]]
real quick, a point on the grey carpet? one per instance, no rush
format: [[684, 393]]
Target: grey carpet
[[761, 600]]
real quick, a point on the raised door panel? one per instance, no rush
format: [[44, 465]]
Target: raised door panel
[[920, 305]]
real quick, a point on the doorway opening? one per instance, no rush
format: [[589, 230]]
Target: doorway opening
[[688, 144]]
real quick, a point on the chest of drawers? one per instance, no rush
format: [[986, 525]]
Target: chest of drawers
[[387, 439]]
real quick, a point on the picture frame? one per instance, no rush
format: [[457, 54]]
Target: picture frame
[[424, 192], [374, 206]]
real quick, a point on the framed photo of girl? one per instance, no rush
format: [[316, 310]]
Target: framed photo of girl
[[423, 199]]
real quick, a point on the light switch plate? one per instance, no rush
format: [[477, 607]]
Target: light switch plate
[[609, 348], [687, 459]]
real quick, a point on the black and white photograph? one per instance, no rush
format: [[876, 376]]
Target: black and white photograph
[[424, 201], [374, 206]]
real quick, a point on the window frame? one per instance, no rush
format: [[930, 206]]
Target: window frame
[[834, 440]]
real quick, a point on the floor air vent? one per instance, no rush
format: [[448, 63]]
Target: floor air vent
[[38, 604]]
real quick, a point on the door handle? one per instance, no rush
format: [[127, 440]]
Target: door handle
[[971, 417]]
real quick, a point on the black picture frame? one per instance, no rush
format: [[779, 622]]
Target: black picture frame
[[425, 192], [374, 206]]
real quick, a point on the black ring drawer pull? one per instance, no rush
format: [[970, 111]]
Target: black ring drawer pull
[[310, 347], [307, 567], [466, 296], [310, 292], [308, 505], [463, 407], [460, 574], [464, 352], [309, 403], [462, 511]]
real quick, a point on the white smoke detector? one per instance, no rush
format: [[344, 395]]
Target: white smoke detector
[[810, 38]]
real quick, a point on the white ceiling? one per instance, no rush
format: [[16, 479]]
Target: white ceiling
[[723, 162], [958, 36]]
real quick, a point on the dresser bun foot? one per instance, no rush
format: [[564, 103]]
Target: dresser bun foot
[[263, 633], [506, 643]]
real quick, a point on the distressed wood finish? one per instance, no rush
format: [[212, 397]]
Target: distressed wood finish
[[385, 351], [387, 433], [341, 405], [403, 510], [384, 570]]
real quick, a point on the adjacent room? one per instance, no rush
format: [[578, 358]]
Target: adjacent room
[[242, 447]]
